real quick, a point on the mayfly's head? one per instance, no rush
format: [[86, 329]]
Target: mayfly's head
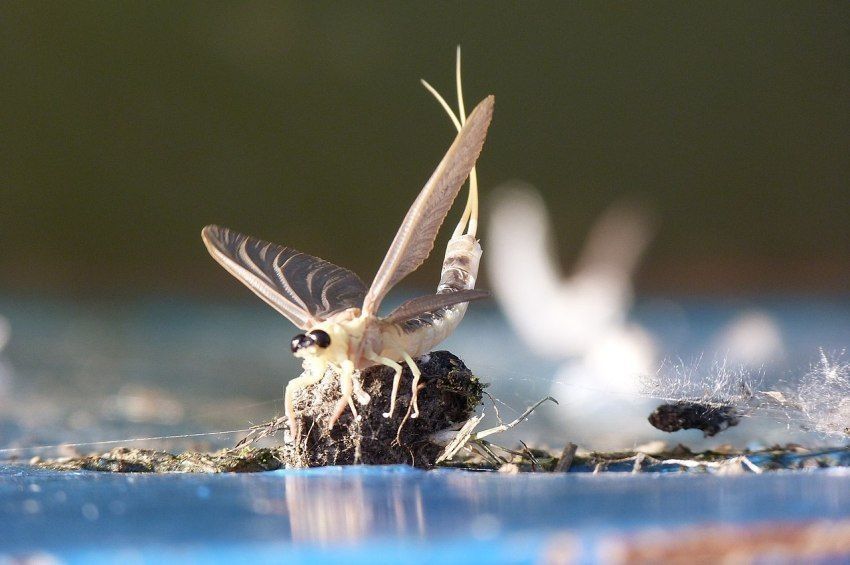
[[327, 342]]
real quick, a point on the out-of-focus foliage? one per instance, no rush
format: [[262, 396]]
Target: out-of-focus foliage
[[128, 126]]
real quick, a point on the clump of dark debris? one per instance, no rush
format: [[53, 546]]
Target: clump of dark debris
[[689, 415], [448, 396]]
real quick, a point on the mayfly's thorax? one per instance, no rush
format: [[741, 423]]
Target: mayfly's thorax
[[345, 331]]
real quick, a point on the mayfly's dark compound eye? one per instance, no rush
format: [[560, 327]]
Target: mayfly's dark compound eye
[[321, 338], [301, 341]]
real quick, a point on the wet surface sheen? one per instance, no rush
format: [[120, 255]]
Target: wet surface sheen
[[363, 510]]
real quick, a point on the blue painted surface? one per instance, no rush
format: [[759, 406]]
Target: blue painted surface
[[66, 361], [226, 366], [364, 514]]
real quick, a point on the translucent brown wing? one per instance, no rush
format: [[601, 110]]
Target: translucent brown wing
[[415, 238], [303, 288], [432, 302]]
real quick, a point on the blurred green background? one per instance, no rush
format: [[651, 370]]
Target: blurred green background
[[127, 126]]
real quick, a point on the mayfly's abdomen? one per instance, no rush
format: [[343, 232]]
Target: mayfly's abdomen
[[460, 269]]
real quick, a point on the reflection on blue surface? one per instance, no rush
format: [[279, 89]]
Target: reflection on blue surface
[[379, 513]]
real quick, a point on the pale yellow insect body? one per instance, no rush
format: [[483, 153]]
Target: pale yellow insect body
[[343, 331]]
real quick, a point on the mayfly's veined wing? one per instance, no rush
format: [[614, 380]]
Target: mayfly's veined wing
[[416, 306], [303, 288], [415, 238]]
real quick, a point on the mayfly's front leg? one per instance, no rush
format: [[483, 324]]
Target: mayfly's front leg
[[414, 395], [346, 385], [396, 378], [314, 375]]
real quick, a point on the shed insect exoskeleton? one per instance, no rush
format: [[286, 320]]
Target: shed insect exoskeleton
[[339, 315]]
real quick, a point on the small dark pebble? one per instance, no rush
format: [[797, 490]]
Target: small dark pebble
[[687, 415]]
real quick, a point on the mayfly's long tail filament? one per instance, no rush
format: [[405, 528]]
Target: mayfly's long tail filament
[[471, 210], [469, 219], [443, 103], [460, 107]]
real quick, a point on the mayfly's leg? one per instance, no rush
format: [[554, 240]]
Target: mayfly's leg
[[346, 385], [396, 378], [299, 383], [361, 395], [414, 401]]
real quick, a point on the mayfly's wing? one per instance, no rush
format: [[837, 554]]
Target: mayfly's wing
[[430, 303], [303, 288], [415, 237]]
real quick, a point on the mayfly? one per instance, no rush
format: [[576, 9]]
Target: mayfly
[[339, 314]]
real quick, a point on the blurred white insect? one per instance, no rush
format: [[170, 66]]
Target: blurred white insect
[[582, 318], [343, 331], [557, 315]]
